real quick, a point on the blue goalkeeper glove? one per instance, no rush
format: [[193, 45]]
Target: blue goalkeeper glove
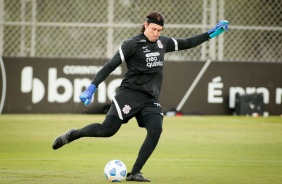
[[86, 96], [219, 28]]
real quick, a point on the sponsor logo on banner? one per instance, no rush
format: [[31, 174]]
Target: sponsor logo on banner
[[215, 94], [71, 89]]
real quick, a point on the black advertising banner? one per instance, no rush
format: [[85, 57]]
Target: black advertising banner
[[215, 93], [50, 85], [37, 85]]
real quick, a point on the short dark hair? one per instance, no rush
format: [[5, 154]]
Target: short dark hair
[[153, 15]]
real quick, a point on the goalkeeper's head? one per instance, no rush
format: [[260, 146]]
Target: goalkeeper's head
[[153, 26]]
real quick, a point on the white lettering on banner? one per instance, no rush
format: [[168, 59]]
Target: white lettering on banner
[[278, 96], [26, 78], [112, 87], [249, 90], [215, 90], [79, 85], [37, 89], [54, 83], [265, 94], [32, 85], [90, 70], [232, 95]]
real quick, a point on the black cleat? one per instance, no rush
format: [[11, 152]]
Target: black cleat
[[136, 177], [62, 140]]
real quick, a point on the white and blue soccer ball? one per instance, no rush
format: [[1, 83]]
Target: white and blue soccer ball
[[115, 171]]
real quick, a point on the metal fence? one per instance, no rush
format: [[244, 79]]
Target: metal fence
[[95, 28]]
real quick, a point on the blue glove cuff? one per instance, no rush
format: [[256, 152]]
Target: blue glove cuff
[[86, 95], [219, 28], [216, 33], [91, 88]]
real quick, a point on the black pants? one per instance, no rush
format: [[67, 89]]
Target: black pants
[[152, 123]]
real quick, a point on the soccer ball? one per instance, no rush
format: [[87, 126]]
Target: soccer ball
[[115, 171]]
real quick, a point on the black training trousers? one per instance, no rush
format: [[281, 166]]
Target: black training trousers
[[152, 123]]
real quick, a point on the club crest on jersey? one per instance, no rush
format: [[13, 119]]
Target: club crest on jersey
[[126, 109], [160, 45]]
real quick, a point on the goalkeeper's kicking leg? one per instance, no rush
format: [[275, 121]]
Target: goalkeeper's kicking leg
[[107, 129]]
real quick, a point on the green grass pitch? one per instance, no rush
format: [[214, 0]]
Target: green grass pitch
[[192, 149]]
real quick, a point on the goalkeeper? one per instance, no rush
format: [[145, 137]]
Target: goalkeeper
[[138, 94]]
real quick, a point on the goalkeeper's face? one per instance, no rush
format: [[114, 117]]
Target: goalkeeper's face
[[152, 31]]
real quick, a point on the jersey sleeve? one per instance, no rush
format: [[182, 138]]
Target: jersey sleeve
[[175, 44], [126, 49]]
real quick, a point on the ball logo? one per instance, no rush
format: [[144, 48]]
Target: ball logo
[[113, 172]]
